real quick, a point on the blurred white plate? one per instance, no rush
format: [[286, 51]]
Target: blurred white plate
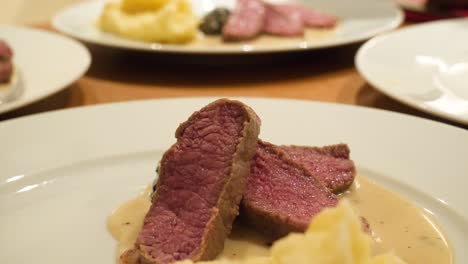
[[62, 173], [358, 20], [424, 66], [45, 63]]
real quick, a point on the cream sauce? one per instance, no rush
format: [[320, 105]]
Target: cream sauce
[[310, 35], [399, 225], [396, 224], [126, 221]]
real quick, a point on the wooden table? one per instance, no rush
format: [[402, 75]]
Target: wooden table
[[115, 75]]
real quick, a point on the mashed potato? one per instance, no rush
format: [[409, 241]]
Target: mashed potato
[[335, 236], [135, 6], [165, 21]]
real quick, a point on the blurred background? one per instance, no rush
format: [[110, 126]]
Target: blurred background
[[30, 11]]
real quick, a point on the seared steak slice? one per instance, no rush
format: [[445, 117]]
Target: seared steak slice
[[5, 51], [330, 164], [6, 66], [201, 181], [281, 195], [282, 22], [6, 70], [246, 21]]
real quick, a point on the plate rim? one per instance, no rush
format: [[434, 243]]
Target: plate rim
[[59, 113], [173, 49], [240, 98], [22, 102], [359, 61]]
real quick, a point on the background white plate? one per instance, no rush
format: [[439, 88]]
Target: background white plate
[[358, 20], [424, 66], [62, 173], [46, 63]]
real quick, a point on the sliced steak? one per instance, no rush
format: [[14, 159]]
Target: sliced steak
[[201, 181], [282, 22], [310, 17], [330, 164], [246, 21], [5, 51], [6, 66], [281, 195], [6, 70]]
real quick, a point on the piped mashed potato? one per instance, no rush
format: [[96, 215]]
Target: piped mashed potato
[[164, 21], [335, 236]]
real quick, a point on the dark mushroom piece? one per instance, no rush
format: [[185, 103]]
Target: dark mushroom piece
[[213, 23]]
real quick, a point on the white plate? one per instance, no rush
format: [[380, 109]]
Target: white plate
[[62, 173], [358, 20], [45, 62], [424, 66]]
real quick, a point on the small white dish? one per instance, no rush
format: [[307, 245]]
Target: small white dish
[[45, 63], [424, 66], [58, 185], [355, 24]]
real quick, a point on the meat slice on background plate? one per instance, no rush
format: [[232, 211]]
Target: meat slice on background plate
[[289, 20], [280, 21], [246, 21], [253, 17], [310, 17], [282, 196], [330, 164], [6, 66], [201, 182], [5, 51], [6, 70]]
